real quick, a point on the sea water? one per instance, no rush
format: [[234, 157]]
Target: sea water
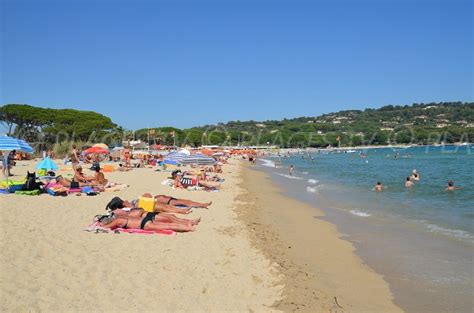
[[421, 239]]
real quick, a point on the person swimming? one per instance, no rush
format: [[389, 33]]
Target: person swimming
[[451, 187], [414, 175], [408, 183], [378, 187]]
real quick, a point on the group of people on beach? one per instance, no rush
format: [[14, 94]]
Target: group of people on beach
[[8, 162], [125, 214]]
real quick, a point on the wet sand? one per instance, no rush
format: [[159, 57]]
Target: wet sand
[[321, 271]]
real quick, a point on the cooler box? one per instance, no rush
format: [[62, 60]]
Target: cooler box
[[147, 204]]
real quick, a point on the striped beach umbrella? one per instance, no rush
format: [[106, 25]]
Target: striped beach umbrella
[[10, 144], [174, 158], [198, 159]]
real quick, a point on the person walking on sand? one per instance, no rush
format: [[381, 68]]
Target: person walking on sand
[[126, 156], [74, 157], [291, 169], [408, 183]]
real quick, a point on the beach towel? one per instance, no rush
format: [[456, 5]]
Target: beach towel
[[28, 192], [116, 187]]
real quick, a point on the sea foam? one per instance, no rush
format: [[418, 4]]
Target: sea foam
[[288, 176], [312, 189], [455, 233], [268, 163], [360, 213]]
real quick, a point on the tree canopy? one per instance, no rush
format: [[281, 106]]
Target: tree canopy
[[44, 124]]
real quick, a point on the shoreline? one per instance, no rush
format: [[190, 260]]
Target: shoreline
[[321, 271]]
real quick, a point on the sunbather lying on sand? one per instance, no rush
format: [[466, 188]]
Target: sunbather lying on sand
[[157, 216], [146, 223], [184, 182], [163, 199], [117, 203]]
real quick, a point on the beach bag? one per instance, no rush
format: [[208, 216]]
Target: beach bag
[[42, 172]]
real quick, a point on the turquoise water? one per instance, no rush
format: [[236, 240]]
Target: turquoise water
[[421, 238]]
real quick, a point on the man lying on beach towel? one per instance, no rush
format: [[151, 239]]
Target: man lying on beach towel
[[145, 223]]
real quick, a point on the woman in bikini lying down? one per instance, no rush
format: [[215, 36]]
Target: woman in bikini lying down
[[117, 203], [184, 182], [156, 216], [146, 223], [163, 199]]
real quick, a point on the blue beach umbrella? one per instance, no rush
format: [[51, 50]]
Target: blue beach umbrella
[[10, 143], [47, 164]]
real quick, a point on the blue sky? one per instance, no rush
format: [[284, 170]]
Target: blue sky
[[189, 63]]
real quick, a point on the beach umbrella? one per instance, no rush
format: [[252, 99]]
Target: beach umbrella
[[198, 159], [96, 150], [9, 143], [47, 164], [101, 145], [174, 158]]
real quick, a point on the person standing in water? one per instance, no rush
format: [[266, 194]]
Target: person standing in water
[[451, 187], [379, 187], [291, 169], [408, 183], [415, 176]]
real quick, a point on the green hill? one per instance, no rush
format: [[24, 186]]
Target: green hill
[[419, 123]]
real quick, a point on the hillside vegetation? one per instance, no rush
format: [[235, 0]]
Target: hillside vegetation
[[420, 123], [429, 123]]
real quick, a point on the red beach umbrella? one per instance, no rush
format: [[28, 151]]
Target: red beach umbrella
[[96, 150]]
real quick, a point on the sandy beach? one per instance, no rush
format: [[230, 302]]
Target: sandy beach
[[49, 263], [254, 251]]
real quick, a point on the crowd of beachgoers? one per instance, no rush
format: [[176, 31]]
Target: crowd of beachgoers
[[147, 213]]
